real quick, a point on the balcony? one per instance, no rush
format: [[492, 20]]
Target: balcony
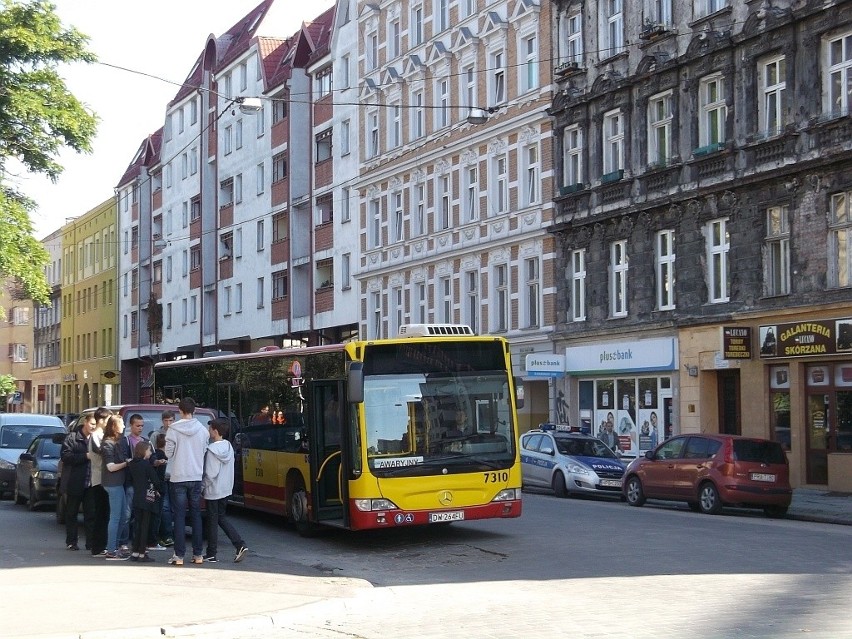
[[653, 30], [708, 149], [571, 188], [613, 176]]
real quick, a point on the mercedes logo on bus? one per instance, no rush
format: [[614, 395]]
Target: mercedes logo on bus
[[445, 497]]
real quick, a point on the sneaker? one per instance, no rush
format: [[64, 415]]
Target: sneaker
[[145, 559], [99, 555], [241, 552], [71, 547], [210, 559], [125, 548], [116, 556], [197, 559], [176, 561], [156, 547], [168, 541]]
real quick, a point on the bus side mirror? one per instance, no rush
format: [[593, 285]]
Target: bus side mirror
[[355, 387]]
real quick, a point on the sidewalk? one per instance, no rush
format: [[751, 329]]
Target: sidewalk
[[158, 601]]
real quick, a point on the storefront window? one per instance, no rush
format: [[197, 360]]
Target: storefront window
[[779, 405]]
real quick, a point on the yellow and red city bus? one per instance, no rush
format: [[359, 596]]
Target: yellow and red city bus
[[363, 435]]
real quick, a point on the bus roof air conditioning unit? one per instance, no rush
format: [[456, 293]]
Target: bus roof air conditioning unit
[[431, 330]]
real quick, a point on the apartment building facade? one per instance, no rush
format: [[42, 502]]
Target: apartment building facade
[[704, 176], [454, 215], [88, 309], [16, 330], [46, 378]]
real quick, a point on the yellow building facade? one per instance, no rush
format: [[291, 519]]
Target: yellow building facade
[[88, 368]]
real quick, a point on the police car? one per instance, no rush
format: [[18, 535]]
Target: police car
[[569, 462]]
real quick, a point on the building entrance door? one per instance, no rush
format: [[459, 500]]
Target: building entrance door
[[729, 402]]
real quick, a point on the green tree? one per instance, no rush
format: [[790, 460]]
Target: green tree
[[39, 117], [7, 386]]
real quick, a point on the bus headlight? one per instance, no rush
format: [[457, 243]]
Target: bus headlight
[[508, 494], [367, 505]]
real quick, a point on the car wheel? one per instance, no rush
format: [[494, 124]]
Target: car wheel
[[708, 499], [19, 499], [32, 503], [60, 510], [775, 511], [635, 495], [558, 484]]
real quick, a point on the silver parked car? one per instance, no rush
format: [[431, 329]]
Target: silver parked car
[[570, 463]]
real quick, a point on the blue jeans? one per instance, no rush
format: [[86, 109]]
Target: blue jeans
[[187, 494], [116, 515], [125, 534]]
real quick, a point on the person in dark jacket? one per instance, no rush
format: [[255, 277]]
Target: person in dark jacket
[[147, 486], [76, 480]]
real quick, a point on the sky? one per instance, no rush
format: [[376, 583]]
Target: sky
[[159, 38]]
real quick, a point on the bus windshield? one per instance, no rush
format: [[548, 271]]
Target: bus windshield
[[421, 424]]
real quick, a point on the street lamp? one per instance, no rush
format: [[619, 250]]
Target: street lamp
[[479, 115]]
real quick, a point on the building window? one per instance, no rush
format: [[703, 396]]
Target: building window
[[371, 51], [417, 115], [168, 315], [238, 298], [718, 246], [420, 297], [373, 134], [193, 161], [573, 38], [471, 190], [394, 36], [195, 257], [665, 270], [226, 245], [397, 217], [618, 278], [193, 309], [168, 269], [184, 166], [706, 7], [260, 179], [279, 109], [261, 241], [238, 134], [279, 167], [415, 26], [578, 285], [227, 136], [442, 15], [659, 12], [395, 128], [500, 184], [346, 271], [238, 188], [279, 228], [419, 197], [839, 76], [184, 269], [660, 130], [497, 77], [323, 82], [532, 284], [184, 314], [346, 210], [397, 310], [226, 192], [529, 63], [777, 251], [375, 239], [613, 143], [243, 76], [613, 28], [713, 112], [466, 9], [532, 176], [279, 285], [345, 73], [195, 209], [467, 78], [442, 103], [445, 307], [345, 137], [572, 150], [193, 111], [323, 145], [471, 305], [226, 302], [840, 240], [375, 328], [260, 292], [773, 84], [444, 195], [500, 310]]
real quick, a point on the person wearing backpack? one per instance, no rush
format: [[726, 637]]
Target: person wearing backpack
[[217, 486]]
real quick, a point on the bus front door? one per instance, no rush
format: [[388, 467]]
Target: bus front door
[[325, 440]]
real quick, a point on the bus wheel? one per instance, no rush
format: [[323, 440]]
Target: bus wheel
[[299, 511]]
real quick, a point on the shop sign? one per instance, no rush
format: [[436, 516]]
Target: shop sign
[[545, 365], [736, 342], [638, 356], [805, 339]]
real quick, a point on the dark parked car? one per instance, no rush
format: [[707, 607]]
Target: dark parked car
[[17, 431], [712, 471], [35, 476]]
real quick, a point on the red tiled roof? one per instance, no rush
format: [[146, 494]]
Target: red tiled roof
[[147, 155]]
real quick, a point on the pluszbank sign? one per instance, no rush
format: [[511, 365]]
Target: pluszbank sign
[[545, 365], [637, 356]]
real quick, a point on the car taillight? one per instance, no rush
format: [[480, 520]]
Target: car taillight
[[728, 451]]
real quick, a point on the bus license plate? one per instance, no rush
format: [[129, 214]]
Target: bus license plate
[[762, 477], [455, 515], [611, 483]]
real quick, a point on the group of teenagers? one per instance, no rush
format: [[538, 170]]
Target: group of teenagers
[[141, 490]]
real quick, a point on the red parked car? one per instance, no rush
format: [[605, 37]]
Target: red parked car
[[712, 471]]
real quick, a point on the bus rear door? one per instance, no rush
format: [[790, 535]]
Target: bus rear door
[[325, 439]]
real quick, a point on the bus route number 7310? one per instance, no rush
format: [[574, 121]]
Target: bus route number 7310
[[495, 477]]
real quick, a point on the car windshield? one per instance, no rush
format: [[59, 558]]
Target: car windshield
[[754, 450], [21, 435], [584, 447]]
